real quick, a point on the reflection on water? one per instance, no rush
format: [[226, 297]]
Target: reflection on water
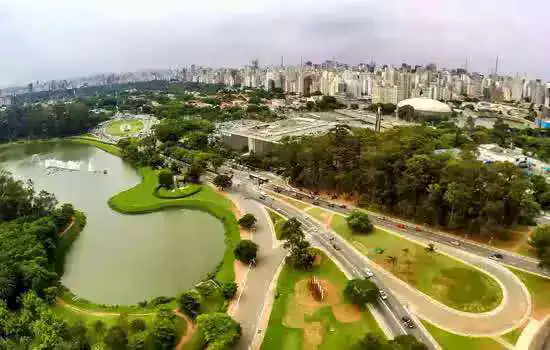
[[119, 259]]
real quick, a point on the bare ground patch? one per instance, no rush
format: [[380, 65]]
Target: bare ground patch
[[313, 335], [346, 313]]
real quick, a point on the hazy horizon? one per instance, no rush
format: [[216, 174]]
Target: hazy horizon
[[64, 39]]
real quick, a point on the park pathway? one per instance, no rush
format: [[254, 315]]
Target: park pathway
[[249, 306]]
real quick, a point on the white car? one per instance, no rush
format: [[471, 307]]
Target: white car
[[368, 272], [383, 295], [455, 243]]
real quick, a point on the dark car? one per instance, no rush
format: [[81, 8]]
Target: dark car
[[336, 247], [331, 205], [343, 206], [278, 189], [407, 322], [496, 256], [315, 202]]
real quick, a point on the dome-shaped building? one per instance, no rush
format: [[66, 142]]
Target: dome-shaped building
[[423, 109]]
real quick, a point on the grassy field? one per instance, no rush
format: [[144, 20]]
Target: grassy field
[[140, 199], [439, 276], [277, 221], [85, 140], [539, 288], [513, 336], [297, 321], [115, 128], [296, 203], [450, 341], [186, 191]]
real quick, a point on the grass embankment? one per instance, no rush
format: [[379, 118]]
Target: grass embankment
[[294, 202], [445, 279], [66, 241], [140, 199], [539, 288], [114, 128], [86, 140], [450, 341], [186, 191], [277, 221], [298, 321]]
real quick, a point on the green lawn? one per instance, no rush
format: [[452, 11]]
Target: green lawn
[[450, 341], [439, 276], [513, 336], [140, 199], [539, 288], [115, 128], [277, 221], [186, 191], [295, 203], [319, 213], [86, 140], [333, 333]]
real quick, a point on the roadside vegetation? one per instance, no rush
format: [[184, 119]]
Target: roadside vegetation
[[538, 287], [450, 341], [299, 321], [445, 279], [277, 221]]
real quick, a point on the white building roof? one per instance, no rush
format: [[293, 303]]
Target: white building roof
[[425, 105]]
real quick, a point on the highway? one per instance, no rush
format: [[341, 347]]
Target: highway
[[482, 250], [391, 308]]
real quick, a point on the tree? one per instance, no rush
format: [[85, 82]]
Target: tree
[[137, 325], [223, 181], [291, 227], [166, 178], [246, 251], [190, 303], [247, 221], [99, 329], [116, 337], [540, 241], [406, 342], [359, 222], [361, 291], [79, 337], [430, 248], [371, 342], [138, 341], [229, 289], [195, 171], [392, 260], [164, 332], [219, 330]]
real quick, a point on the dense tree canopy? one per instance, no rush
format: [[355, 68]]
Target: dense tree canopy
[[41, 121], [540, 240], [398, 171], [301, 256]]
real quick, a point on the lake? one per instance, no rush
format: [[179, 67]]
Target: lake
[[118, 259]]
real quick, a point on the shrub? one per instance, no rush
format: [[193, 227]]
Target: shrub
[[229, 289], [166, 178], [137, 325]]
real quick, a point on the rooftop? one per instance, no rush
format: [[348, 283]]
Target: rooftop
[[425, 105]]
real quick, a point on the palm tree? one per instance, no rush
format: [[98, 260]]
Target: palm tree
[[405, 251], [392, 260], [430, 248]]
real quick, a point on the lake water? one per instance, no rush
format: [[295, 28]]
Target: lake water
[[119, 259]]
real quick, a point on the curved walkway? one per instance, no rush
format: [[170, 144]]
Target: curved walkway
[[248, 308], [512, 312]]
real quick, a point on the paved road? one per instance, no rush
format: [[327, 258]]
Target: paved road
[[392, 309], [513, 310], [251, 302], [410, 229]]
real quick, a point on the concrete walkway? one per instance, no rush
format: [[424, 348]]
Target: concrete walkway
[[257, 284]]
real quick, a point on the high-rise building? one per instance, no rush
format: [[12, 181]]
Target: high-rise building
[[384, 94]]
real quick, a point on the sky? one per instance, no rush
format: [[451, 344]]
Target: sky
[[56, 39]]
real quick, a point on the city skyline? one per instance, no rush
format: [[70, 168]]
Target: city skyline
[[62, 39]]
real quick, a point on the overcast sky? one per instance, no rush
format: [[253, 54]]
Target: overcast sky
[[52, 39]]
